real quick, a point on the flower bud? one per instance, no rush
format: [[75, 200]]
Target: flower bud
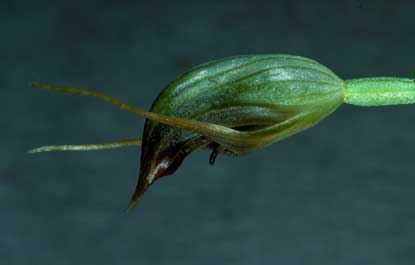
[[249, 101]]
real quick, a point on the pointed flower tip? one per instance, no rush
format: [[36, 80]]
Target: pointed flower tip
[[131, 206], [136, 198]]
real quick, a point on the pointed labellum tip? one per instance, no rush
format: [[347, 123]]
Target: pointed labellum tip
[[139, 191]]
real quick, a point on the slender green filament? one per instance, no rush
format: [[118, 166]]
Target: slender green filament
[[191, 125], [87, 147]]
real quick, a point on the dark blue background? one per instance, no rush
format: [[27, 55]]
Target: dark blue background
[[339, 193]]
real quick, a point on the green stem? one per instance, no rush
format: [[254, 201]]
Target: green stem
[[379, 91]]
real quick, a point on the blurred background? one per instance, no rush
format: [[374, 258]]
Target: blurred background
[[339, 193]]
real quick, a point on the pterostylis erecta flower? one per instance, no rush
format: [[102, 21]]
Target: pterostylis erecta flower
[[237, 105]]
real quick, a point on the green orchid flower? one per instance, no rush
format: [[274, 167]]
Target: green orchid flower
[[237, 105]]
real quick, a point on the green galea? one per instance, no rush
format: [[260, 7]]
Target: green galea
[[237, 105]]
